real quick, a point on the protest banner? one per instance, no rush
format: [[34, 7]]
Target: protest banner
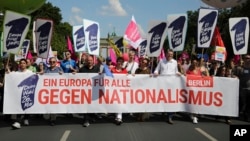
[[94, 93]]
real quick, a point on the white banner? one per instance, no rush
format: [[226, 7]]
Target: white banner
[[239, 33], [92, 36], [15, 28], [94, 93], [43, 33], [79, 38], [156, 35], [177, 29], [207, 21]]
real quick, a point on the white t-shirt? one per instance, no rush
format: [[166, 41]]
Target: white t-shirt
[[26, 71]]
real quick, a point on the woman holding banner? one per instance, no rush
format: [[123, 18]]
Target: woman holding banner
[[118, 69], [143, 69], [194, 69]]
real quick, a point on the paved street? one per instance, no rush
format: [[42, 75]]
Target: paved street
[[156, 129]]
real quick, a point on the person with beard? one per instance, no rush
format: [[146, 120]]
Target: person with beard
[[88, 68]]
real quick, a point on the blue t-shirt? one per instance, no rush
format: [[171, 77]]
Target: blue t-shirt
[[65, 65]]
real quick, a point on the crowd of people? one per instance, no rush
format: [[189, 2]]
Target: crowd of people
[[150, 66]]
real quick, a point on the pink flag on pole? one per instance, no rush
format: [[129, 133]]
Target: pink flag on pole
[[112, 55], [162, 55], [29, 56], [132, 34], [69, 44], [70, 48]]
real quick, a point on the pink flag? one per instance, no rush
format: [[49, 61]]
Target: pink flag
[[132, 34], [29, 56], [69, 44], [70, 48], [236, 59], [112, 55], [162, 55]]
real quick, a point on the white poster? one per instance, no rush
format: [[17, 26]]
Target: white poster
[[207, 21], [15, 28], [79, 39], [177, 29], [92, 36], [23, 51], [239, 33], [142, 48], [155, 38], [220, 53], [43, 33]]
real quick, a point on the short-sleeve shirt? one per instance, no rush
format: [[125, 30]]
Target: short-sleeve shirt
[[65, 65]]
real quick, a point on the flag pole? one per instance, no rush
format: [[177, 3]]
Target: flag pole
[[202, 52], [152, 63]]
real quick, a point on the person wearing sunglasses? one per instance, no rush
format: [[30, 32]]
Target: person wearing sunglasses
[[53, 68]]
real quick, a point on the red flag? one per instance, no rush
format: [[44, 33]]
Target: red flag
[[217, 40], [70, 48]]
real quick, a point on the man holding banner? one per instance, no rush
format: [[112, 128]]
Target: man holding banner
[[167, 66], [53, 69], [88, 68]]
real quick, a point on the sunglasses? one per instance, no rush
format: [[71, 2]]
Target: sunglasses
[[52, 62]]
